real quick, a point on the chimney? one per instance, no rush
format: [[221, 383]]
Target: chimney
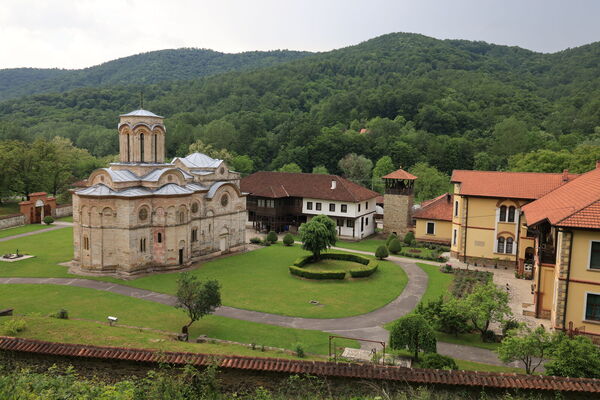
[[333, 184], [565, 176]]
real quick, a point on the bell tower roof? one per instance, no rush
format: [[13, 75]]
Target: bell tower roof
[[141, 113]]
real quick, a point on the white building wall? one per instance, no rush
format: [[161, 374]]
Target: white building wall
[[366, 213]]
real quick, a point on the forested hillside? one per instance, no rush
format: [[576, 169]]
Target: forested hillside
[[145, 68], [450, 104]]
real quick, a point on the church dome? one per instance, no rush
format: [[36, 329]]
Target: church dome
[[141, 113]]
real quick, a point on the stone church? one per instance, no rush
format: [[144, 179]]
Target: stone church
[[143, 214]]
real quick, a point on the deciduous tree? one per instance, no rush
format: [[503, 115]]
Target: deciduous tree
[[318, 234], [529, 346], [414, 333], [197, 298]]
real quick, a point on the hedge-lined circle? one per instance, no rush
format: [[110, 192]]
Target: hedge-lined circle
[[367, 268]]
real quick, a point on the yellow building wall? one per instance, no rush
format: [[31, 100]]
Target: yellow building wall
[[581, 281], [443, 231], [455, 246]]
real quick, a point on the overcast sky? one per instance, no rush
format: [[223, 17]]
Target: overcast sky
[[82, 33]]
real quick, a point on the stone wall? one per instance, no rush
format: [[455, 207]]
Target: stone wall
[[396, 214], [64, 210], [562, 258], [8, 221]]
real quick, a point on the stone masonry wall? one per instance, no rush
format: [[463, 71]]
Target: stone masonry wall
[[8, 221], [396, 215], [65, 210], [564, 250]]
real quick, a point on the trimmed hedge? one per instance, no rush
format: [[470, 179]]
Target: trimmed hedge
[[370, 266], [316, 274]]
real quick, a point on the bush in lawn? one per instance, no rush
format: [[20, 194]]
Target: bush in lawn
[[367, 270], [300, 350], [576, 358], [389, 239], [395, 246], [381, 252], [61, 314], [431, 310], [415, 333], [509, 325], [409, 238], [288, 239], [272, 237], [486, 304], [451, 318], [13, 326], [437, 361], [304, 273], [256, 240], [48, 220]]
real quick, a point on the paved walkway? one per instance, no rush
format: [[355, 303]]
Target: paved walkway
[[52, 228]]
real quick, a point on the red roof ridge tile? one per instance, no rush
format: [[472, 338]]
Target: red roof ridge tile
[[321, 368]]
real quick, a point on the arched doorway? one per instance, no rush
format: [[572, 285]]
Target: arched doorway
[[224, 239], [40, 210]]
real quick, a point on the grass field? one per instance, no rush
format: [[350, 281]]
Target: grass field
[[65, 219], [21, 229], [259, 280], [97, 305], [332, 265], [466, 339], [438, 284]]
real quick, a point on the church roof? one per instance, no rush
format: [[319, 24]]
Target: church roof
[[171, 189], [141, 113], [199, 160]]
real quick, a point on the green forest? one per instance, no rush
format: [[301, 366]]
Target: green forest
[[399, 100]]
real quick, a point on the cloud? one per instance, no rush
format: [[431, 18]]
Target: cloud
[[76, 34]]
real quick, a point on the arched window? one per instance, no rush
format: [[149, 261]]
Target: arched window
[[142, 245], [141, 147], [128, 149], [502, 213], [500, 245], [511, 214], [154, 145], [509, 245], [86, 243], [159, 237]]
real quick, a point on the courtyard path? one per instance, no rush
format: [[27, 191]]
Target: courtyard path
[[52, 228], [364, 326]]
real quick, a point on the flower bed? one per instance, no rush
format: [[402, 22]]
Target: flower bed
[[367, 267]]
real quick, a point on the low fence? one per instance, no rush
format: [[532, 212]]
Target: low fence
[[258, 366], [8, 221], [63, 210]]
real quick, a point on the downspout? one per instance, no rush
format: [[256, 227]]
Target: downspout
[[567, 283], [466, 230]]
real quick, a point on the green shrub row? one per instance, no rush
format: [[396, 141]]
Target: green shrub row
[[304, 273], [367, 270], [302, 261]]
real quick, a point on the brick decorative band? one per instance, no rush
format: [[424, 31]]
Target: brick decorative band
[[318, 368]]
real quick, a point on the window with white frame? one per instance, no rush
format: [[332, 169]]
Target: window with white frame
[[332, 207], [431, 228], [344, 208], [318, 206], [500, 245], [594, 255], [309, 205], [502, 217], [592, 307], [511, 214], [509, 245]]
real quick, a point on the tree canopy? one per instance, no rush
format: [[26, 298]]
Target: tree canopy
[[318, 234]]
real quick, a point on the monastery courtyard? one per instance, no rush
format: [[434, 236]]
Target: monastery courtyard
[[251, 281]]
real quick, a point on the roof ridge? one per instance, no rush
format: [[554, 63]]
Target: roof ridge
[[518, 172], [342, 181]]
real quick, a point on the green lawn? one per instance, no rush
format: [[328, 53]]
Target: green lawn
[[21, 229], [364, 245], [474, 366], [466, 339], [98, 305], [332, 265], [65, 219], [438, 284], [259, 280]]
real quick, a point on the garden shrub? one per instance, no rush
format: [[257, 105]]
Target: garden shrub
[[48, 220], [381, 252], [61, 314], [488, 337], [256, 240], [298, 271], [13, 326], [437, 361], [272, 237], [367, 270], [509, 325], [395, 246], [288, 239], [300, 350], [389, 239], [409, 238]]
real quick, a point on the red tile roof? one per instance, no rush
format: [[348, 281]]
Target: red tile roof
[[400, 174], [439, 208], [315, 186], [318, 368], [515, 185], [575, 204]]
